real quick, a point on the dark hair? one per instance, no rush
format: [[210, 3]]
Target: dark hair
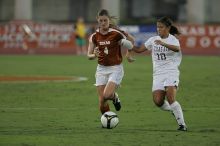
[[174, 30], [104, 12], [169, 23]]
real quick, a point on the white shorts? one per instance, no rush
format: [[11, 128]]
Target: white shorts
[[105, 74], [164, 80]]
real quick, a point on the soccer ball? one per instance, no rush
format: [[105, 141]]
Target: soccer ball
[[109, 120]]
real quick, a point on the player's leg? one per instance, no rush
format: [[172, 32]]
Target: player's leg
[[109, 94], [159, 93], [175, 107], [171, 85], [101, 81], [159, 100], [171, 94], [103, 104], [115, 78], [109, 91]]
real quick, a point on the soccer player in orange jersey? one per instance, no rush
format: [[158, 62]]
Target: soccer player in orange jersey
[[106, 44]]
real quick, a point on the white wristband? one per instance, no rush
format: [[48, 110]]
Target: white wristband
[[126, 44]]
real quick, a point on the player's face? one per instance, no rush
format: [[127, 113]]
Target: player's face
[[103, 22], [162, 29]]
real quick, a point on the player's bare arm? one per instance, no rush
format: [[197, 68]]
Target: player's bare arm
[[129, 55], [90, 54], [140, 49], [171, 47], [130, 38], [128, 44]]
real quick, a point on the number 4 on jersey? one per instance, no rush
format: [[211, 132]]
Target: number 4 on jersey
[[106, 50]]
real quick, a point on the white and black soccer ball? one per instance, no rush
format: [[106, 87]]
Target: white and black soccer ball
[[109, 120]]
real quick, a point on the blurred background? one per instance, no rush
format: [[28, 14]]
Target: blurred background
[[54, 26]]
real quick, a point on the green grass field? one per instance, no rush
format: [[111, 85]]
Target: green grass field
[[66, 113]]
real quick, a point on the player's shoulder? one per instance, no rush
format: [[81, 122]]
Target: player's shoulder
[[114, 29], [117, 30], [173, 40], [153, 38], [172, 37], [92, 37]]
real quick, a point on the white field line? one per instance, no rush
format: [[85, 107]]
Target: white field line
[[73, 79], [36, 108]]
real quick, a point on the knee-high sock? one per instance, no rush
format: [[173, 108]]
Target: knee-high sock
[[178, 113], [166, 106]]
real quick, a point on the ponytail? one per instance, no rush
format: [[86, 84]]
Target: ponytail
[[174, 30], [113, 21]]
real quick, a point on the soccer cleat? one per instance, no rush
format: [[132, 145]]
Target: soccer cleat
[[182, 128], [117, 102]]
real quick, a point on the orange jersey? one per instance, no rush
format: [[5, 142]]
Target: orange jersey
[[109, 47]]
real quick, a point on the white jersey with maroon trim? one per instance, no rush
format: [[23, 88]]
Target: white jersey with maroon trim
[[164, 59]]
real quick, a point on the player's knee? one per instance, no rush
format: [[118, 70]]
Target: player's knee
[[170, 100], [158, 103]]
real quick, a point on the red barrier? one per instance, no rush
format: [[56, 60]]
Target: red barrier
[[200, 39], [25, 37]]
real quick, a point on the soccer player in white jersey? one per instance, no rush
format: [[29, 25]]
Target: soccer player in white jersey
[[166, 57]]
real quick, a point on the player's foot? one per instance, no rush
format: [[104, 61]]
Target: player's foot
[[182, 128], [117, 102]]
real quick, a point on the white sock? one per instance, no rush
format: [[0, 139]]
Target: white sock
[[166, 106], [178, 113]]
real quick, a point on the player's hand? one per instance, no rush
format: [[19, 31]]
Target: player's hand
[[159, 42], [96, 51], [129, 57], [91, 56]]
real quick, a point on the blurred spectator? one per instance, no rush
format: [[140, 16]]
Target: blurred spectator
[[80, 32]]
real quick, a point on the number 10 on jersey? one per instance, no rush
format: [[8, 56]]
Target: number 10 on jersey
[[161, 56]]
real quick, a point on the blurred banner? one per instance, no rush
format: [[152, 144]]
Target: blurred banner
[[194, 39], [200, 39], [140, 33], [22, 37]]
